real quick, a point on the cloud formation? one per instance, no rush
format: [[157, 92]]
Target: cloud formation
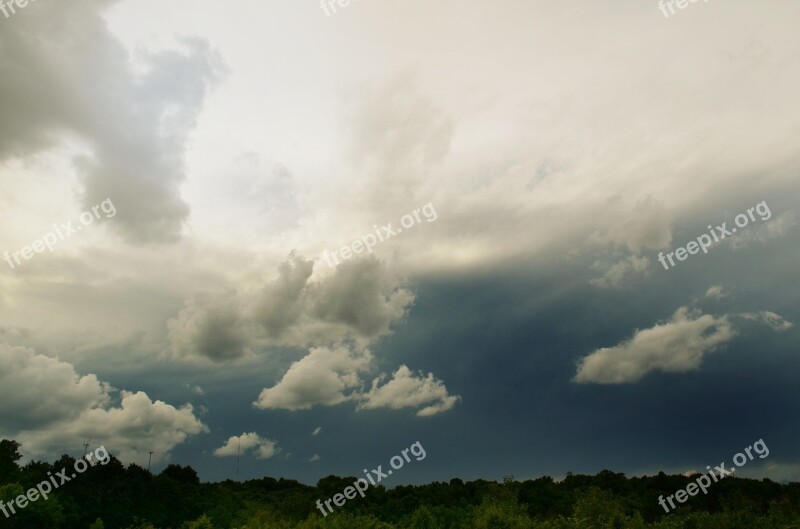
[[210, 327], [772, 320], [240, 444], [676, 346], [407, 390], [48, 407], [324, 377], [327, 377], [48, 95], [359, 301]]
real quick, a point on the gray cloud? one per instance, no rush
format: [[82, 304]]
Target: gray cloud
[[47, 405], [363, 297], [63, 74], [359, 301], [281, 303], [211, 327]]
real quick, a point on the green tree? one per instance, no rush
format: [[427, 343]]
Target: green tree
[[9, 455]]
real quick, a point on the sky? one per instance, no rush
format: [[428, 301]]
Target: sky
[[536, 237]]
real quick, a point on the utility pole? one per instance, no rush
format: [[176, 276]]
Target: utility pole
[[149, 459], [238, 451], [85, 448]]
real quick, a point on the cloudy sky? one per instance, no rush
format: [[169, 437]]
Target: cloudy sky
[[179, 179]]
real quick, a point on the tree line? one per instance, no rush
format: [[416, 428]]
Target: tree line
[[113, 496]]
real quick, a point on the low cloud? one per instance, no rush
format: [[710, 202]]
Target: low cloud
[[676, 346], [46, 406], [210, 327], [359, 302], [248, 442], [328, 377], [325, 377], [408, 390]]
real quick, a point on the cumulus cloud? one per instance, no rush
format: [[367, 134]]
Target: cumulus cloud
[[316, 431], [281, 302], [336, 318], [675, 346], [210, 327], [324, 377], [772, 320], [47, 406], [49, 95], [361, 296], [36, 390], [241, 444], [359, 301], [409, 390], [314, 458], [327, 377]]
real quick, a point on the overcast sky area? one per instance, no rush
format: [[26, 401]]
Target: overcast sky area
[[172, 175]]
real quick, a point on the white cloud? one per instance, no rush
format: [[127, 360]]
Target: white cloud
[[323, 377], [316, 431], [774, 321], [675, 346], [314, 458], [47, 406], [241, 444], [327, 377], [716, 292], [407, 390]]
